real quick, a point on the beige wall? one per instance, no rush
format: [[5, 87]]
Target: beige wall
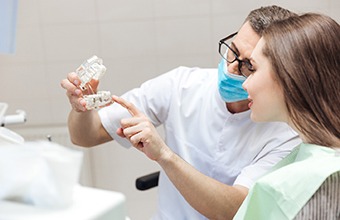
[[138, 40]]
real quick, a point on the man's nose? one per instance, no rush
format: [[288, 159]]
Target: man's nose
[[233, 68]]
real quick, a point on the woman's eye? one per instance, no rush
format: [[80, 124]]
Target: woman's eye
[[250, 67]]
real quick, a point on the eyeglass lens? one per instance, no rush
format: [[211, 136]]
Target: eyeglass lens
[[244, 67]]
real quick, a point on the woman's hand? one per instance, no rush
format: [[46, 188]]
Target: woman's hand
[[140, 132]]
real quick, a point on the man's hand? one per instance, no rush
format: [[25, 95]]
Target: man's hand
[[75, 94]]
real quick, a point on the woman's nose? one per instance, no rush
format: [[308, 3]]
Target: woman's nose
[[245, 83]]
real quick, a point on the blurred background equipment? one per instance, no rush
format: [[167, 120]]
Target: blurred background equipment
[[7, 136], [8, 21]]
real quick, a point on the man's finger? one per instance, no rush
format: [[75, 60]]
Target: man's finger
[[128, 105]]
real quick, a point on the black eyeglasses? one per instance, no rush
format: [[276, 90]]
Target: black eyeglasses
[[244, 66]]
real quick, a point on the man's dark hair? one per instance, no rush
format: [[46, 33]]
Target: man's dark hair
[[259, 19]]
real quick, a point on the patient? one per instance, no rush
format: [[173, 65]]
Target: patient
[[296, 80]]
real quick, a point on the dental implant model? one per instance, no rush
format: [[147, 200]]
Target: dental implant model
[[93, 68]]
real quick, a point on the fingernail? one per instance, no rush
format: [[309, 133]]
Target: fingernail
[[76, 82], [77, 91]]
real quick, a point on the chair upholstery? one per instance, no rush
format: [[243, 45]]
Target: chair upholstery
[[325, 203]]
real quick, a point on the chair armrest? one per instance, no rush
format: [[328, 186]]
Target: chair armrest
[[148, 181]]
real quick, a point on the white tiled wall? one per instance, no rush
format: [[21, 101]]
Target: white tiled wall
[[138, 39]]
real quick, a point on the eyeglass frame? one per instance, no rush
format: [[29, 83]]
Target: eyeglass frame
[[240, 62]]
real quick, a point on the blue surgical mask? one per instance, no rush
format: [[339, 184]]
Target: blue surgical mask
[[230, 85]]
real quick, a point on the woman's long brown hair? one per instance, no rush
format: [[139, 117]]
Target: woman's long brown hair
[[305, 55]]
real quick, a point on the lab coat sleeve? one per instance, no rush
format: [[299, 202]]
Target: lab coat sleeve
[[153, 98]]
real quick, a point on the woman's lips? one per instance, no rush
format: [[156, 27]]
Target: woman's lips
[[250, 102]]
